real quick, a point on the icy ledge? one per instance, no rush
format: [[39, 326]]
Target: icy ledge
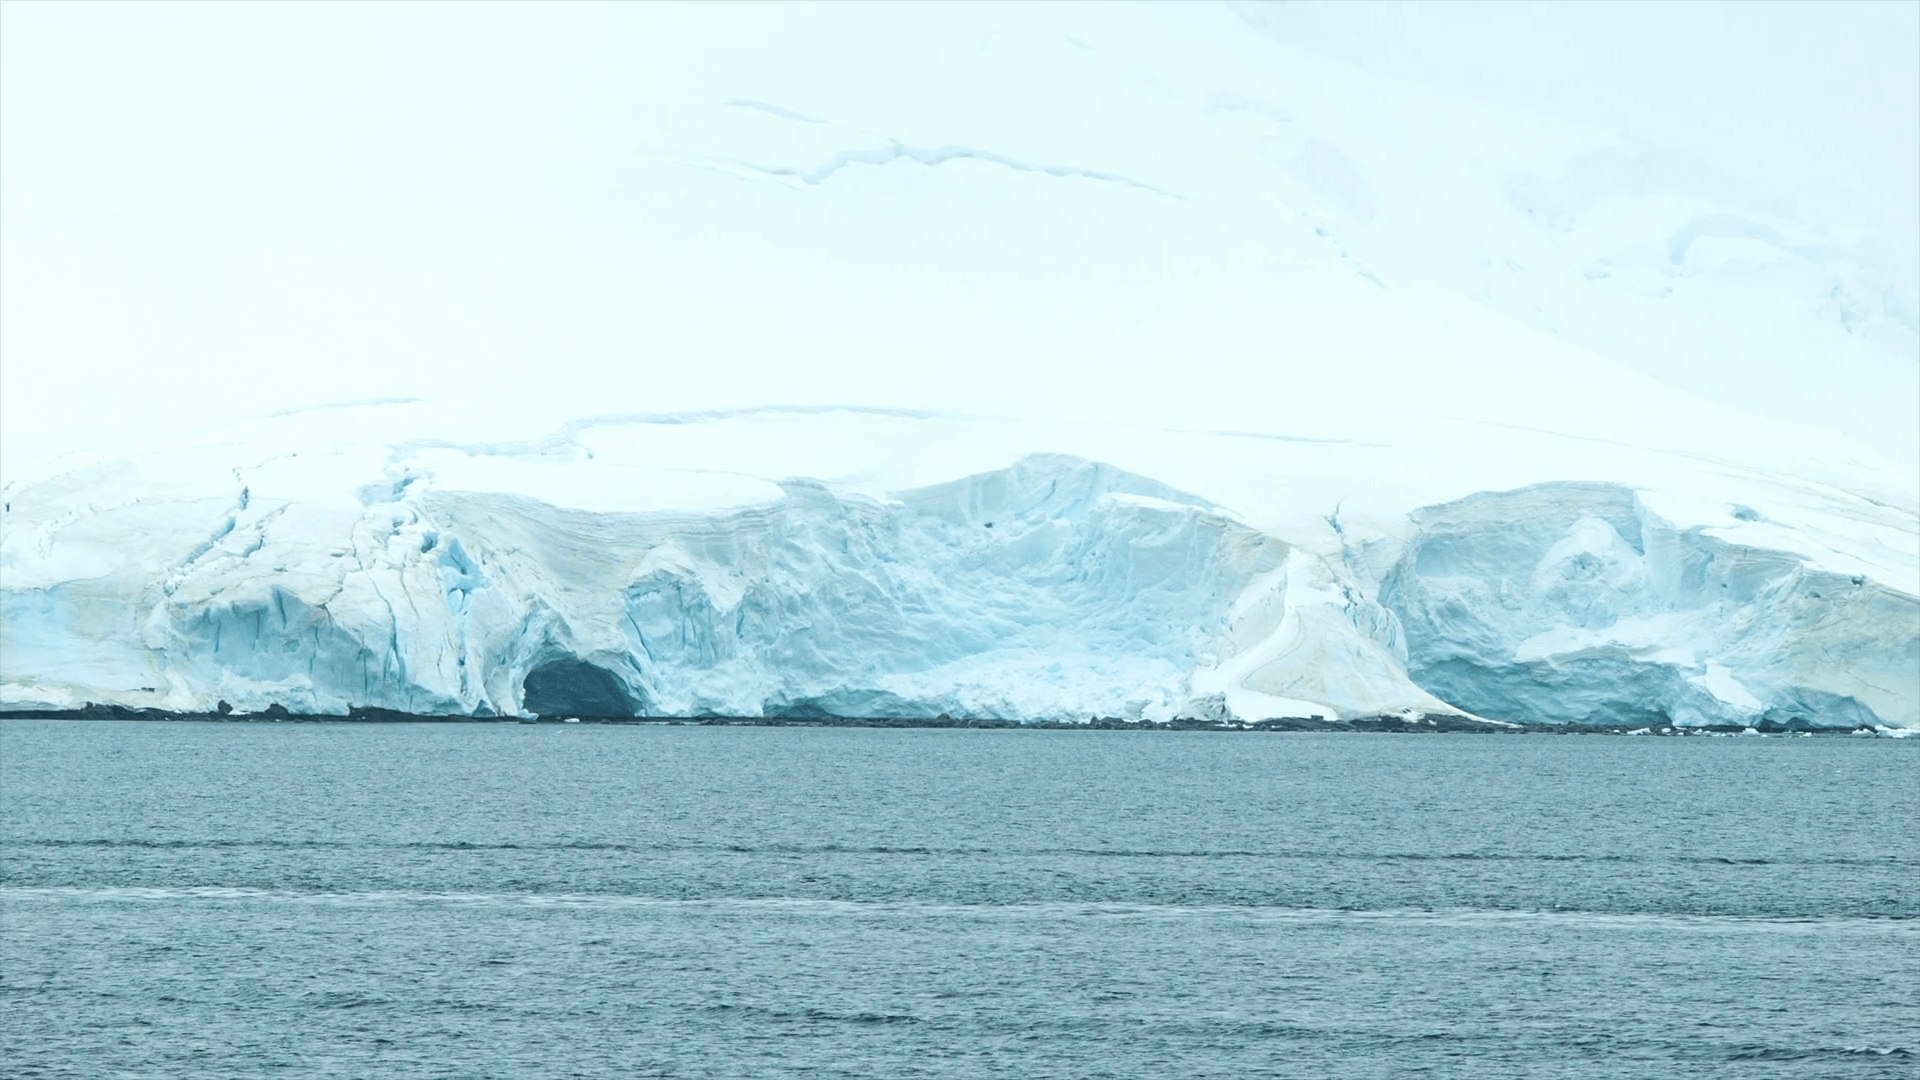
[[1057, 589]]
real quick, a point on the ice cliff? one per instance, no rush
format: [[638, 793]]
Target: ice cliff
[[1577, 602], [1056, 588]]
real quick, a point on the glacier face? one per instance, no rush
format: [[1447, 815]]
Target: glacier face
[[1577, 602], [1056, 589]]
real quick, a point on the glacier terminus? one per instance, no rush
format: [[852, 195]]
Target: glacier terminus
[[1055, 588]]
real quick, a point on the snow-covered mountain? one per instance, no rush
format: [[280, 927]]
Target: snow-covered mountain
[[1015, 362]]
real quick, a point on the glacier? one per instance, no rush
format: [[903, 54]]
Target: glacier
[[1113, 362], [1056, 589], [1053, 589], [1577, 602]]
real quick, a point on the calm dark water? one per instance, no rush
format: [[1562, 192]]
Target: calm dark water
[[230, 900]]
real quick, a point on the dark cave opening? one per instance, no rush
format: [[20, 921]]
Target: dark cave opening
[[576, 688]]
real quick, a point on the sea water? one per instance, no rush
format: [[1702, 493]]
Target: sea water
[[342, 900]]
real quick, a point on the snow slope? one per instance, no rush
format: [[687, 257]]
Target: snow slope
[[1109, 360]]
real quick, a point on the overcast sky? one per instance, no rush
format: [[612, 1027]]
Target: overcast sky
[[142, 144]]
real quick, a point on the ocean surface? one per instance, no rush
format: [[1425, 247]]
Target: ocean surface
[[340, 900]]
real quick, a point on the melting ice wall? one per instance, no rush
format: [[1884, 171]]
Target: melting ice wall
[[1054, 589], [1576, 602]]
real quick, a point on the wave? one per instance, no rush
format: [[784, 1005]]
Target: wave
[[964, 852], [1900, 925]]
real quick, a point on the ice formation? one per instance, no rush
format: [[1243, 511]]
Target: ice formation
[[1577, 602], [1113, 362], [1056, 588]]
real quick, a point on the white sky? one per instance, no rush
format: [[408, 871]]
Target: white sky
[[219, 210]]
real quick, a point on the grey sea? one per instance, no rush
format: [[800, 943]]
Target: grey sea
[[340, 900]]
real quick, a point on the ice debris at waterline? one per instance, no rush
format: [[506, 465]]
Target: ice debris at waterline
[[1056, 589]]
